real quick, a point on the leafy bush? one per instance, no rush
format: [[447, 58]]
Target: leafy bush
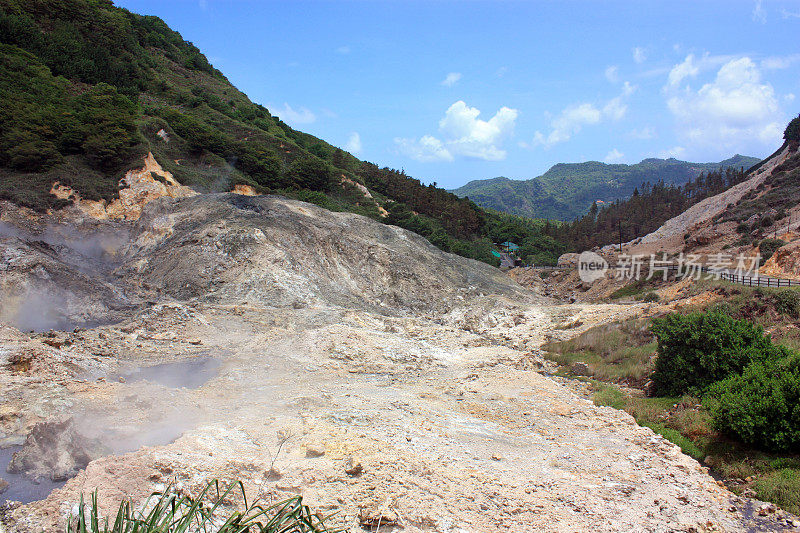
[[313, 197], [650, 297], [311, 173], [698, 349], [761, 407], [768, 247], [787, 302]]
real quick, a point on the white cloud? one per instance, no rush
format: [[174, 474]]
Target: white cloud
[[343, 50], [293, 116], [683, 70], [789, 14], [451, 79], [353, 143], [501, 72], [779, 62], [470, 136], [730, 113], [642, 134], [676, 152], [426, 149], [615, 109], [569, 122], [573, 118], [612, 74], [464, 135], [692, 66], [759, 13], [614, 156], [789, 97], [639, 55]]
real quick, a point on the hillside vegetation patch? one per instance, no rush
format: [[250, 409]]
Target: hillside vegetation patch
[[721, 389]]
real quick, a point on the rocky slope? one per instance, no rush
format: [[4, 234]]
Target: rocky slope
[[271, 341], [731, 222]]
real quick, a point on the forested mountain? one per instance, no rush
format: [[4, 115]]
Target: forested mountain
[[567, 190], [645, 210], [86, 88]]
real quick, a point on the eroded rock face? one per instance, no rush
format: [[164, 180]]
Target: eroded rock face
[[286, 253], [55, 450], [138, 188], [54, 273], [785, 262]]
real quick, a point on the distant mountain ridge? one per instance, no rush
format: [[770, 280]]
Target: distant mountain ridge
[[568, 190]]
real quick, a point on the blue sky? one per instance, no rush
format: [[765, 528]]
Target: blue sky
[[455, 91]]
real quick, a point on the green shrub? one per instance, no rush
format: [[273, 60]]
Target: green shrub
[[742, 228], [33, 155], [768, 247], [650, 297], [698, 349], [311, 173], [787, 302], [761, 407], [792, 131], [313, 197]]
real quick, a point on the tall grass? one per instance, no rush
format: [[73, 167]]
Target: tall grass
[[172, 512], [620, 352]]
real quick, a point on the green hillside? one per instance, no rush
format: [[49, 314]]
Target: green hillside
[[85, 88], [568, 190]]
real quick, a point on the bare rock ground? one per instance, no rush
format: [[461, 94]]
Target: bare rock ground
[[342, 342]]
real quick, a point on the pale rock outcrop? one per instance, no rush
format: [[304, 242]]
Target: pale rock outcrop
[[138, 188], [244, 190]]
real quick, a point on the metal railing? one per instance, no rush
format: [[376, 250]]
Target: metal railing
[[759, 281]]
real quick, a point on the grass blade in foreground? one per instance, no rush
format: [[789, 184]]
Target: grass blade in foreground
[[171, 512]]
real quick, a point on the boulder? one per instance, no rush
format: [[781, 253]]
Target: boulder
[[568, 260], [315, 450], [55, 450], [352, 467]]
